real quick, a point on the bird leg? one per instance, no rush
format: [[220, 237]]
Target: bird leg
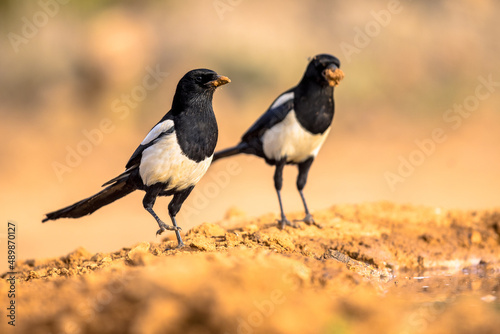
[[301, 183], [173, 208], [278, 184], [308, 219], [180, 244], [148, 202], [283, 221], [163, 227]]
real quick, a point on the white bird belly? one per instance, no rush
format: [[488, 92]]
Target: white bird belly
[[164, 162], [289, 139]]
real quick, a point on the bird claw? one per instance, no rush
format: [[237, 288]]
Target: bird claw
[[164, 227], [283, 222], [179, 246], [309, 220]]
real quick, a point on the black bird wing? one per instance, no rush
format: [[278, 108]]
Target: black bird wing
[[271, 117], [164, 127]]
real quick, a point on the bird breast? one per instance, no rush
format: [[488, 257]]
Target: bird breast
[[164, 162], [289, 139]]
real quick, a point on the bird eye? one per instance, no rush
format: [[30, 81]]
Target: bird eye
[[199, 78]]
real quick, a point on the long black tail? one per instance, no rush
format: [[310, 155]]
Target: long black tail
[[240, 148], [91, 204]]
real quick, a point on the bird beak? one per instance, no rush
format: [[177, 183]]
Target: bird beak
[[333, 75], [221, 80]]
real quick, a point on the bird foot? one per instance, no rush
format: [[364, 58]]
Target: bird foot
[[309, 220], [179, 246], [164, 227], [284, 222]]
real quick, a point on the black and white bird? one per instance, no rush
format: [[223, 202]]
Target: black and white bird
[[172, 158], [295, 126]]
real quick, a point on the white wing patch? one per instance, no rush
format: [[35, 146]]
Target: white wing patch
[[289, 139], [282, 99], [157, 131], [164, 162]]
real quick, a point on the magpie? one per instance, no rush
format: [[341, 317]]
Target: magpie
[[171, 159], [294, 127]]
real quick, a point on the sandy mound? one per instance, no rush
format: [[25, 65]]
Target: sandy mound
[[377, 267]]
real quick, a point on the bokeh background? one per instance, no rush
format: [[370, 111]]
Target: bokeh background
[[69, 66]]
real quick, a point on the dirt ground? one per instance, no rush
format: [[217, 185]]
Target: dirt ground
[[371, 268]]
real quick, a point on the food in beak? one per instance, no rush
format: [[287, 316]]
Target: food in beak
[[221, 80], [333, 76]]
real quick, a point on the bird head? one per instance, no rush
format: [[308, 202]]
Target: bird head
[[195, 86], [324, 69], [202, 80]]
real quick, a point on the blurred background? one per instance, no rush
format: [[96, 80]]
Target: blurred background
[[82, 82]]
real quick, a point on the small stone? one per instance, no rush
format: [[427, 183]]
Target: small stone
[[33, 275], [97, 257], [232, 239], [208, 230], [139, 255], [78, 254], [283, 241], [202, 243]]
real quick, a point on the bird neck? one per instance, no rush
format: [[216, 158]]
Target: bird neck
[[196, 127], [184, 101], [314, 106]]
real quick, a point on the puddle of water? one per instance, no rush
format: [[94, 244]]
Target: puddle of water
[[446, 282], [482, 280]]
